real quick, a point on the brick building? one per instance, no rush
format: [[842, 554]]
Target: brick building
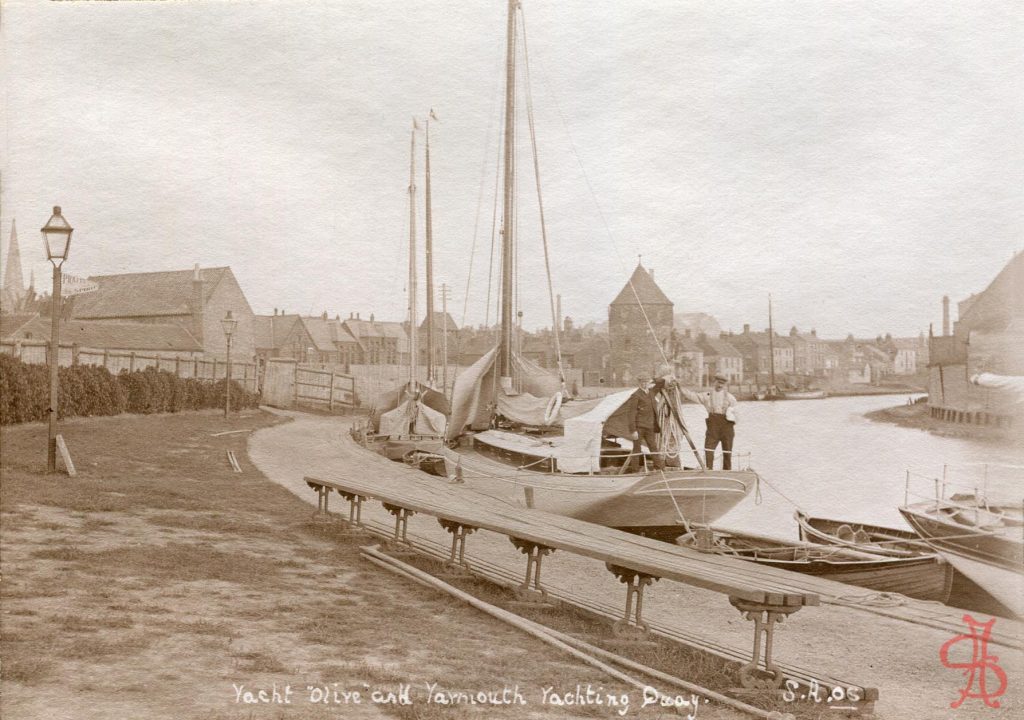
[[721, 358], [634, 348], [196, 300], [282, 336], [988, 337]]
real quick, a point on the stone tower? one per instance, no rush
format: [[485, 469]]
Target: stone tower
[[634, 348]]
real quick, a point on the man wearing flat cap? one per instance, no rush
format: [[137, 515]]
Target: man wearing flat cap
[[642, 414], [721, 422]]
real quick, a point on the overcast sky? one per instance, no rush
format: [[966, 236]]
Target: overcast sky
[[855, 159]]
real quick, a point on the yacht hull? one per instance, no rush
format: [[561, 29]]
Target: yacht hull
[[657, 504]]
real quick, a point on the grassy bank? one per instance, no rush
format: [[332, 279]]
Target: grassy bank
[[158, 582]]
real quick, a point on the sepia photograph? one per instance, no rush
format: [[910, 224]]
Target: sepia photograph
[[525, 359]]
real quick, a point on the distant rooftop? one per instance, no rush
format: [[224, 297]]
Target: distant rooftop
[[145, 294]]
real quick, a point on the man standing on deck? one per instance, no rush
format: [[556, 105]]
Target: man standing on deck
[[643, 421], [721, 422]]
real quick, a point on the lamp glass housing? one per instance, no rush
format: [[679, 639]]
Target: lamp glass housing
[[229, 324], [57, 237]]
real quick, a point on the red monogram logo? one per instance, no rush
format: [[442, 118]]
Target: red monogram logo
[[976, 671]]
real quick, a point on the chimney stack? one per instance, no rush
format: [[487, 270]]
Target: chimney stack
[[197, 305], [945, 315], [746, 328]]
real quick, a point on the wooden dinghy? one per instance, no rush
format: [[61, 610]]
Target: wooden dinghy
[[876, 539], [982, 540], [925, 577]]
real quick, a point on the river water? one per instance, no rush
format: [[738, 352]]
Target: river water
[[827, 458]]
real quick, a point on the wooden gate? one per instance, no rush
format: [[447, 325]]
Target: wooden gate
[[324, 387], [279, 383]]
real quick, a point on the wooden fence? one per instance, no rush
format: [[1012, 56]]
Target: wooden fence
[[370, 381], [185, 366], [287, 384]]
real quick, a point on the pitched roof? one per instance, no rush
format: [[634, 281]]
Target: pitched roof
[[641, 285], [271, 331], [363, 328], [761, 339], [167, 337], [342, 335], [717, 346], [391, 328], [145, 294], [320, 330], [441, 319], [11, 324], [998, 304]]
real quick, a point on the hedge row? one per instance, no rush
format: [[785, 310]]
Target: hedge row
[[92, 390]]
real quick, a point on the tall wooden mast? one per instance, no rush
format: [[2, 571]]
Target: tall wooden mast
[[413, 350], [771, 345], [508, 207], [430, 264]]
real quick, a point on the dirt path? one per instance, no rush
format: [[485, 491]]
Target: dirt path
[[899, 658]]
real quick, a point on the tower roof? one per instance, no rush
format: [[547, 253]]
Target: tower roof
[[641, 289], [14, 281]]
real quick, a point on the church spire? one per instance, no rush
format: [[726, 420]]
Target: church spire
[[14, 281]]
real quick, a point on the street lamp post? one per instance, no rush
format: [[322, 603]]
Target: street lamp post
[[57, 239], [229, 324]]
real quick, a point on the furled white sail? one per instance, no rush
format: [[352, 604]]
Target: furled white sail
[[1011, 383]]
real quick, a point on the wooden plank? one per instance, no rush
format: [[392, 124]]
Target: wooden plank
[[65, 456], [596, 536], [681, 564], [1008, 633]]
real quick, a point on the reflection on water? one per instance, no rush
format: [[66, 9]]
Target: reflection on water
[[826, 457]]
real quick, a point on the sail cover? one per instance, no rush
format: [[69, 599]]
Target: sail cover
[[393, 407], [581, 450], [478, 394], [412, 416]]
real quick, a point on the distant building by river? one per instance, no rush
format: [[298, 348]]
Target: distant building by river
[[987, 337]]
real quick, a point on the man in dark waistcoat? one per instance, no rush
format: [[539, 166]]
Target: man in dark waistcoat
[[643, 422]]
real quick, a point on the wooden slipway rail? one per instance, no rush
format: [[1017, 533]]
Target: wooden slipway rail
[[763, 595]]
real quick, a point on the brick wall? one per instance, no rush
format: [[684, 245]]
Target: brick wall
[[228, 295], [633, 348]]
